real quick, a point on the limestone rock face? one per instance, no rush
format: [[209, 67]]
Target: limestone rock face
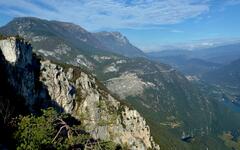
[[9, 50], [17, 58], [128, 84], [58, 86], [16, 51], [74, 91], [79, 94]]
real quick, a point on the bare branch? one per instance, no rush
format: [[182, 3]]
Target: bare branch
[[6, 111]]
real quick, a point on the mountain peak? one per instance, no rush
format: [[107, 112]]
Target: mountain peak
[[118, 43], [26, 18], [116, 35], [120, 37]]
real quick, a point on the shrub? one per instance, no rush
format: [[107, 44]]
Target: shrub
[[52, 130], [37, 132]]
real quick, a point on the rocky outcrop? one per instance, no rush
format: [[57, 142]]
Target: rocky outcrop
[[128, 84], [17, 61], [79, 94], [58, 87], [76, 92]]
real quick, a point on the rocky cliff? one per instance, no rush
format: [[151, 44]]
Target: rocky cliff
[[77, 93], [17, 56]]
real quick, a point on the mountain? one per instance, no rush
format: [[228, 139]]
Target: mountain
[[198, 62], [65, 36], [169, 53], [117, 43], [168, 101], [41, 83], [189, 66], [54, 29], [227, 76], [220, 54]]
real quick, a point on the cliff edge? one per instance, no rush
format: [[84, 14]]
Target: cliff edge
[[76, 92]]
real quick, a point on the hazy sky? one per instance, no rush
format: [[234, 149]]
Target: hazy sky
[[149, 24]]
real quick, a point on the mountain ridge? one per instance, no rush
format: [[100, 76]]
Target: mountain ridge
[[119, 44], [75, 34], [160, 93], [222, 54]]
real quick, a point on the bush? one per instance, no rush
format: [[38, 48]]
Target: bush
[[38, 132], [52, 130]]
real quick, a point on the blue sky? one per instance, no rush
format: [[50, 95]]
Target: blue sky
[[149, 24]]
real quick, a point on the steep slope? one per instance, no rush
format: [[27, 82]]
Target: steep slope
[[11, 51], [117, 43], [168, 101], [56, 40], [106, 118], [74, 91]]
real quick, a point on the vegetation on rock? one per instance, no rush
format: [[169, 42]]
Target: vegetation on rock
[[52, 130]]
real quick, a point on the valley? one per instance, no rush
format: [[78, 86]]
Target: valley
[[155, 85]]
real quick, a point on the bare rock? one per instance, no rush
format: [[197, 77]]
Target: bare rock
[[104, 117]]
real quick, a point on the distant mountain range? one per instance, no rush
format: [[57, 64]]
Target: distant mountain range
[[198, 62], [227, 76], [170, 103], [193, 67], [220, 54]]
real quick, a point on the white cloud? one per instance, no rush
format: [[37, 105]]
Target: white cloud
[[96, 14], [177, 31], [192, 45]]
